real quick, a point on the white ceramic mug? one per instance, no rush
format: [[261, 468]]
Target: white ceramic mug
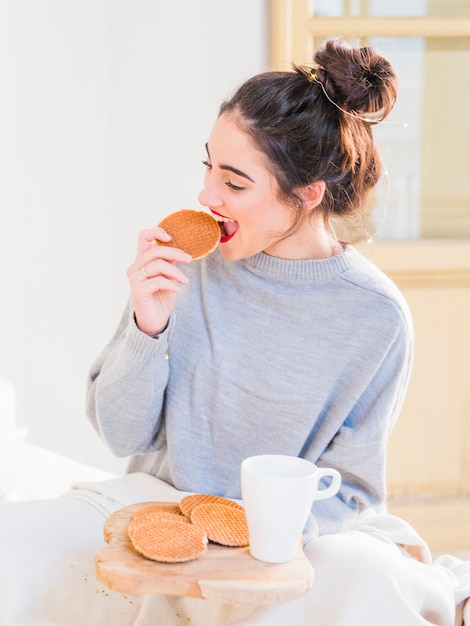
[[278, 492]]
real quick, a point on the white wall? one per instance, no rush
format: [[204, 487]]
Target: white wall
[[104, 110]]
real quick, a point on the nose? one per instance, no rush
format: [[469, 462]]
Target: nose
[[209, 197]]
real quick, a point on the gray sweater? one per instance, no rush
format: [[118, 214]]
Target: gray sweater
[[262, 355]]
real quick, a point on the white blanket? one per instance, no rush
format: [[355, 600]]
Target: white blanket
[[361, 576]]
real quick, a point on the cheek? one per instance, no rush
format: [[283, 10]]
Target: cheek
[[256, 212], [266, 216]]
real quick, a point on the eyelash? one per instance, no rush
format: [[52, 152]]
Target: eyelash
[[234, 187], [229, 183]]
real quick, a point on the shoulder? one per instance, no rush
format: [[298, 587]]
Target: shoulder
[[374, 289], [366, 275]]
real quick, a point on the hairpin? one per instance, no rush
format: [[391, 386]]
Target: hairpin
[[375, 118]]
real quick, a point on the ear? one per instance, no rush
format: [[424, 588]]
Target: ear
[[312, 194]]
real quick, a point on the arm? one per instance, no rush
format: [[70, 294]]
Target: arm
[[126, 386], [358, 449], [127, 382]]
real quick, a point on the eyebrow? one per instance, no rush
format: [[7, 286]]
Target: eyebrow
[[229, 168]]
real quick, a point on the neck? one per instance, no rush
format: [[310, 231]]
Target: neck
[[312, 241]]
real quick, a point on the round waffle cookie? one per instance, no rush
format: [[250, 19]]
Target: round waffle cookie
[[195, 232], [222, 524], [165, 540], [188, 503], [160, 508]]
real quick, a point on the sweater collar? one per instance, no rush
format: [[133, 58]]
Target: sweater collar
[[280, 270]]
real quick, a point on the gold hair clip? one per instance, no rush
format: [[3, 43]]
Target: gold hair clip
[[376, 117], [312, 77]]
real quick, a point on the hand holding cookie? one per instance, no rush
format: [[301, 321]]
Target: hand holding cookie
[[195, 232], [154, 276]]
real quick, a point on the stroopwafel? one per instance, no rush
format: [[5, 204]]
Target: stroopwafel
[[164, 540], [188, 503], [222, 524], [195, 232], [158, 508]]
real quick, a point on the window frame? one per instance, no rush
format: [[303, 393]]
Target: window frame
[[293, 29]]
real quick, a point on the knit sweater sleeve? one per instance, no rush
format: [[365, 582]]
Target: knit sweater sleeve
[[125, 388], [358, 449]]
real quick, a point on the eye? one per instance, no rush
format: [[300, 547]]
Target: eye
[[234, 187], [206, 163]]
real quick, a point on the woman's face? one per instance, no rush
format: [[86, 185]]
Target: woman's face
[[242, 194]]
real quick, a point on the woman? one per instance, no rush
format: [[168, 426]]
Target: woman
[[283, 340]]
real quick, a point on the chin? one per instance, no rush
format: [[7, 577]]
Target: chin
[[232, 253]]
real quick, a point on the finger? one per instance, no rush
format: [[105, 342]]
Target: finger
[[168, 253], [148, 238], [154, 268], [158, 284]]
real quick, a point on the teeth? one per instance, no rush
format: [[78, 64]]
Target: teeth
[[219, 218]]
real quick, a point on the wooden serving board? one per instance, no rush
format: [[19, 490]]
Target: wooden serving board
[[222, 574]]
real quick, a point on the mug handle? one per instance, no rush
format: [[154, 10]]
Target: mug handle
[[333, 487]]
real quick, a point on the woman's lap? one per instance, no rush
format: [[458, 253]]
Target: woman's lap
[[46, 563], [47, 578]]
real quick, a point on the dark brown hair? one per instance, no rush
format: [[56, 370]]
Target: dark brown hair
[[313, 124]]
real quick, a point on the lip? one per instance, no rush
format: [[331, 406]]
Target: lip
[[223, 238], [219, 214]]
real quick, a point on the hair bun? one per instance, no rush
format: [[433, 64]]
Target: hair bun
[[357, 79]]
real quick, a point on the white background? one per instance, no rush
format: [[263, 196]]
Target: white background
[[105, 106]]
